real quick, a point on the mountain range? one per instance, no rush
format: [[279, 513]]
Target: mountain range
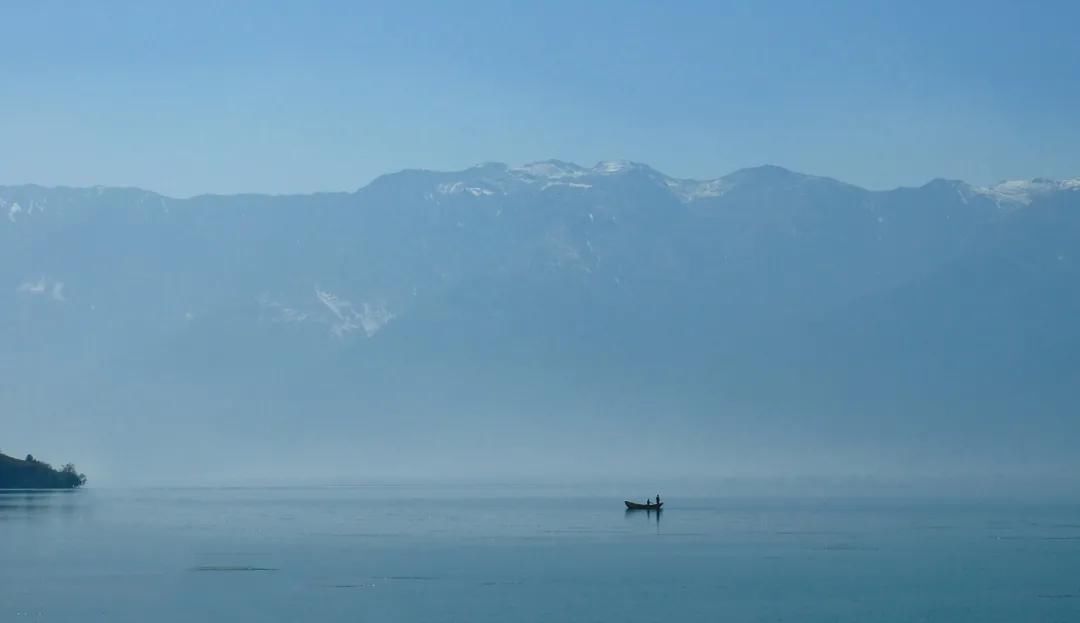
[[546, 319]]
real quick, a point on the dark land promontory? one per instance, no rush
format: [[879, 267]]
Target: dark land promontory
[[33, 474]]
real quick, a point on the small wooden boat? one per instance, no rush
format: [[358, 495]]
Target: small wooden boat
[[634, 506]]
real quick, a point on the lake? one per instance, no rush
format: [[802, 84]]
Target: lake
[[498, 554]]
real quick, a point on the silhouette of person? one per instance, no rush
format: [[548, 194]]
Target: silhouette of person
[[658, 499]]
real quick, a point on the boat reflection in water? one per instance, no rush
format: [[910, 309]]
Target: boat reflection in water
[[634, 509]]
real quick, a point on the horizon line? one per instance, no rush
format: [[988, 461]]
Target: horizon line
[[593, 170]]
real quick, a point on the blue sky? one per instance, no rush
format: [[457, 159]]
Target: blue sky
[[193, 97]]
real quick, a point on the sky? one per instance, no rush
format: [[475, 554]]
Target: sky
[[287, 97]]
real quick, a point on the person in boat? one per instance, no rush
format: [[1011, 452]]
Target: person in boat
[[658, 499]]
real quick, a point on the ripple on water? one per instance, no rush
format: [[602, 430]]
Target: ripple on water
[[230, 568], [848, 547]]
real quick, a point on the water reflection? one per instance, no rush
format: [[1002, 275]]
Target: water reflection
[[22, 502], [649, 515]]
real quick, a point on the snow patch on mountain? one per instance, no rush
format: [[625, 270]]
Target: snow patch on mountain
[[456, 188], [1023, 192], [580, 185], [556, 170], [548, 170], [368, 317], [282, 313], [43, 287], [32, 287], [16, 210], [690, 190], [329, 309], [609, 167]]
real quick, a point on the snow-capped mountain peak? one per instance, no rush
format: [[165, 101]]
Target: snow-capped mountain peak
[[1023, 192], [494, 180], [612, 167], [549, 169]]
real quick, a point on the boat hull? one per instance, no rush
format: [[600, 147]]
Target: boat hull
[[634, 506]]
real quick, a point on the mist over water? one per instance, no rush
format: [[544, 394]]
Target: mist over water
[[488, 553]]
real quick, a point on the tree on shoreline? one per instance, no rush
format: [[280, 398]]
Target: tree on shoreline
[[34, 474], [73, 476]]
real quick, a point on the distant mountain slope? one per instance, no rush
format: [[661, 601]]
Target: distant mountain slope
[[545, 305]]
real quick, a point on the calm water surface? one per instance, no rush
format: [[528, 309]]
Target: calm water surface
[[481, 554]]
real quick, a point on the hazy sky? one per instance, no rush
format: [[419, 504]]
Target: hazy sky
[[289, 97]]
